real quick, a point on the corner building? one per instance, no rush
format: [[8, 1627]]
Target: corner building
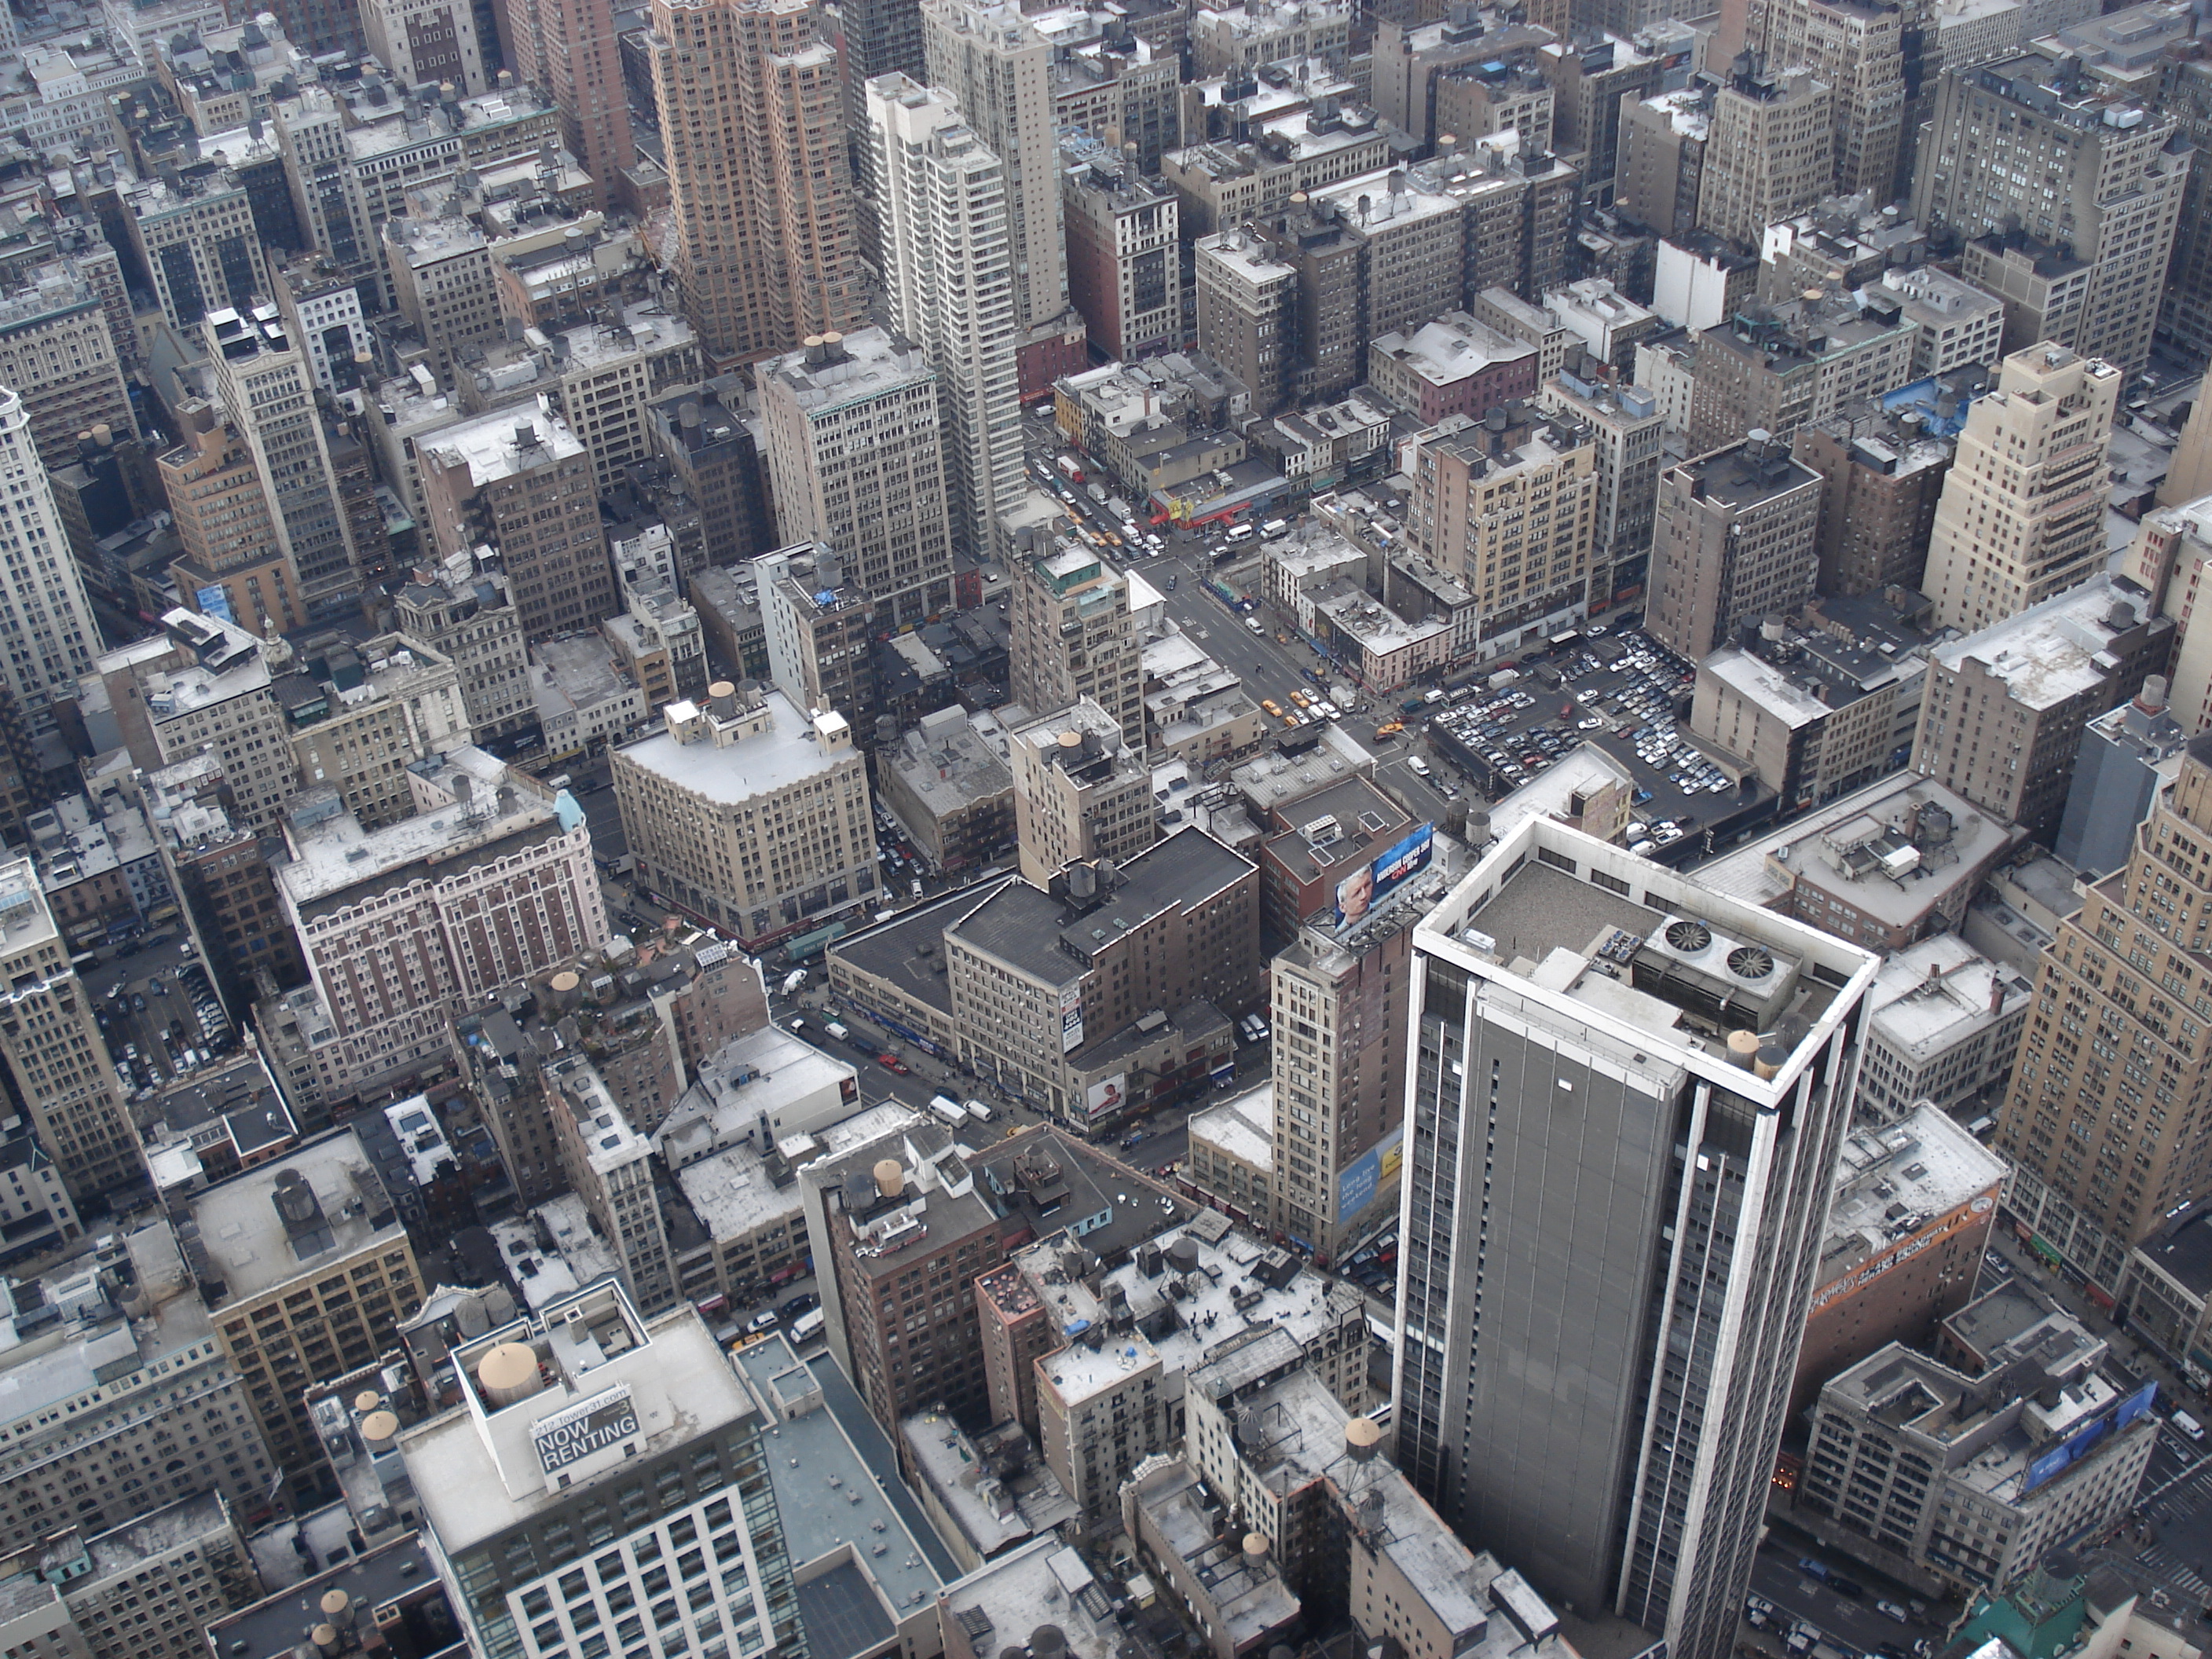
[[1615, 1189]]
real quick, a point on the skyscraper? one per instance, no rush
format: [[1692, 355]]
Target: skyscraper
[[1736, 535], [57, 1068], [2024, 147], [1770, 153], [47, 630], [1628, 1094], [752, 114], [2104, 1120], [999, 69], [1857, 48], [2022, 514], [948, 284], [570, 45]]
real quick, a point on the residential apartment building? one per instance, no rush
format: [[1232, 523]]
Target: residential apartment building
[[2102, 1119], [179, 1568], [1660, 174], [1881, 480], [752, 108], [1942, 1023], [1634, 960], [1122, 255], [1859, 49], [949, 278], [427, 43], [2106, 192], [2021, 517], [568, 47], [1770, 152], [490, 879], [522, 482], [310, 1274], [2005, 707], [54, 1050], [750, 813], [857, 456], [1074, 635], [58, 354], [1627, 431], [1735, 537], [51, 636]]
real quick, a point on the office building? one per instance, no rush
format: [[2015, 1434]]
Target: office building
[[89, 1411], [647, 1420], [882, 501], [1542, 976], [1074, 635], [1627, 432], [605, 373], [501, 883], [1913, 1207], [1734, 538], [1881, 479], [266, 387], [1123, 234], [950, 790], [56, 1054], [568, 46], [1979, 1476], [2128, 754], [309, 1273], [1859, 49], [58, 354], [2002, 718], [441, 276], [2106, 192], [2021, 516], [522, 482], [819, 631], [1961, 326], [196, 240], [1770, 153], [2103, 1148], [1660, 173], [1770, 369], [199, 687], [750, 813], [1943, 1021], [223, 520], [997, 65], [707, 438], [949, 279], [427, 43], [360, 715], [464, 613], [180, 1566], [1505, 507], [1811, 715], [751, 107], [1080, 793], [50, 632]]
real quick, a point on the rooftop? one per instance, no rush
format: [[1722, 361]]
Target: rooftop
[[1747, 475], [1042, 1582], [2182, 1246], [1242, 1127], [1893, 1181], [1451, 348], [769, 1078], [2059, 649], [334, 855], [787, 750], [506, 444], [258, 1237], [1932, 995], [1250, 1600], [995, 1488], [870, 363], [397, 1572]]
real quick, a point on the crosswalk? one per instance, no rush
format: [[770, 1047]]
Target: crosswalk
[[2170, 1566]]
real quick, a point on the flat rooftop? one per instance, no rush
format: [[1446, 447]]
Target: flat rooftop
[[1739, 480], [1938, 992], [337, 855], [399, 1571], [2051, 652], [2182, 1248], [789, 751], [1242, 1127], [1893, 1181], [248, 1240], [512, 441], [995, 1506]]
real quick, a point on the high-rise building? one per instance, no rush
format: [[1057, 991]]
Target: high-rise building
[[750, 813], [2022, 514], [856, 452], [268, 389], [1122, 257], [1566, 996], [820, 632], [56, 1054], [2106, 1136], [1505, 505], [563, 1411], [709, 440], [441, 277], [1660, 168], [2002, 719], [47, 628], [1857, 48], [1079, 793], [752, 115], [58, 354], [1770, 153], [522, 482], [569, 46], [499, 883], [429, 43], [1627, 431], [196, 238], [2026, 147], [465, 613], [1881, 480], [948, 286], [998, 67], [1768, 369], [1074, 636], [1735, 536]]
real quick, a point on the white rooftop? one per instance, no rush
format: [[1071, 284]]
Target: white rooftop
[[788, 751], [246, 1237], [1933, 994], [2048, 653], [1242, 1127], [512, 441]]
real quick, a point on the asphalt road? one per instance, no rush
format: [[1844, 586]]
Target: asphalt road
[[1850, 1620]]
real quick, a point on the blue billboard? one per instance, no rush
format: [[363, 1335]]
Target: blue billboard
[[1358, 1182], [1369, 885], [2085, 1439]]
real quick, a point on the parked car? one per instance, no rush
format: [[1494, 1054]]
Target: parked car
[[763, 1320], [1890, 1610], [804, 1302], [893, 1063]]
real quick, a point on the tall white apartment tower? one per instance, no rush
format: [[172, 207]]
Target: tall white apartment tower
[[48, 627], [998, 69], [1627, 1096], [948, 276]]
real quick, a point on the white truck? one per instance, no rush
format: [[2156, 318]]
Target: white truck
[[947, 1108]]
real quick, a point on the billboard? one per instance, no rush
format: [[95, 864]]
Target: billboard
[[2085, 1439], [215, 601], [1070, 1017], [605, 1420], [1369, 885], [1358, 1182], [1107, 1095]]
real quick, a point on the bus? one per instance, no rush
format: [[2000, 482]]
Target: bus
[[1563, 641]]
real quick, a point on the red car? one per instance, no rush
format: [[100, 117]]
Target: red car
[[893, 1063]]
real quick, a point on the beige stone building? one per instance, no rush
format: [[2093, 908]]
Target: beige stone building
[[400, 702], [1770, 153], [1074, 636], [751, 814], [1857, 48], [2022, 514], [1079, 792]]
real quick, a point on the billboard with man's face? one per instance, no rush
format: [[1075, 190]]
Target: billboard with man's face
[[1369, 885]]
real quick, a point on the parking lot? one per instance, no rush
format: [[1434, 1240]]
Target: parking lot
[[159, 1015]]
